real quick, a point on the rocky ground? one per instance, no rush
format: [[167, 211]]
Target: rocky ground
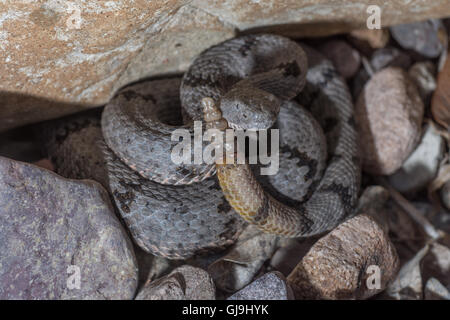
[[400, 81]]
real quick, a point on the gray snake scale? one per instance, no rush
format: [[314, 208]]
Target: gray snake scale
[[258, 81]]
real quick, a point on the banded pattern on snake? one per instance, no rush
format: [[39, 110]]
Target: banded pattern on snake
[[177, 211]]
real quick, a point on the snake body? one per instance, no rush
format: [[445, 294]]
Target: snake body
[[172, 220], [180, 210]]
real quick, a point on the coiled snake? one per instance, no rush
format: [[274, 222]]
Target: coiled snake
[[179, 210]]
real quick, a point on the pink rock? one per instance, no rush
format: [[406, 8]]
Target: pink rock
[[355, 261], [388, 114]]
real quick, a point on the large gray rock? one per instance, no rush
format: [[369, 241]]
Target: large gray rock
[[53, 230], [59, 57]]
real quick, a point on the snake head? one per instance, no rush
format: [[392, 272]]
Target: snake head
[[213, 115]]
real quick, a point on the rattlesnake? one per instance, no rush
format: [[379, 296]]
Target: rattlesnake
[[179, 210]]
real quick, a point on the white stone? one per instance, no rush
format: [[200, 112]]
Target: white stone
[[422, 165]]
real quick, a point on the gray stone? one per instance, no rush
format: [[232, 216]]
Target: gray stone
[[434, 290], [271, 286], [436, 263], [183, 283], [422, 37], [422, 165], [51, 228], [389, 57], [407, 285], [432, 262]]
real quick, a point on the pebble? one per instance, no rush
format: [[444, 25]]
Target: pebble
[[380, 59], [422, 165], [407, 285], [423, 75], [344, 263], [434, 290], [60, 238], [239, 267], [346, 59], [376, 38], [271, 286], [183, 283], [388, 114], [389, 57], [424, 37], [440, 103], [432, 262], [437, 263]]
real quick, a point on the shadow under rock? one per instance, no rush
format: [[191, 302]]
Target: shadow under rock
[[301, 30], [18, 109]]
